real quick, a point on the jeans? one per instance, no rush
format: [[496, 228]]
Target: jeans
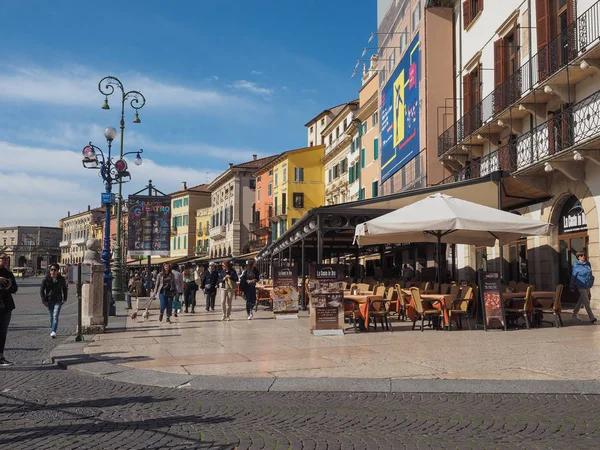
[[128, 299], [166, 302], [54, 311], [210, 299], [250, 298], [4, 321], [190, 296], [226, 300], [584, 300]]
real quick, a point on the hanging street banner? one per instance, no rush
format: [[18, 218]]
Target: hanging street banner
[[149, 226], [326, 290], [285, 292], [400, 112]]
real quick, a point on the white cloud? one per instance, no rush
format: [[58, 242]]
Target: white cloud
[[78, 86], [41, 184], [256, 72], [250, 86]]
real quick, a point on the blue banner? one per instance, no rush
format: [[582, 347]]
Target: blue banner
[[400, 112]]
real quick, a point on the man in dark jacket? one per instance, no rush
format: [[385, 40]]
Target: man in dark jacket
[[53, 292], [210, 279], [8, 286]]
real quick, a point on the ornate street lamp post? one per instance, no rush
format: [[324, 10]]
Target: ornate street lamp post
[[106, 86], [112, 171]]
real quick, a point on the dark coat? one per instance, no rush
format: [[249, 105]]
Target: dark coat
[[137, 289], [54, 291], [211, 279], [6, 294], [249, 275]]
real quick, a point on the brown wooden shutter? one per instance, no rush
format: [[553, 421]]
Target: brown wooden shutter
[[543, 37], [498, 62], [571, 11], [467, 13], [467, 102]]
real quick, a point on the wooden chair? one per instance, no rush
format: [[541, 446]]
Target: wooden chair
[[554, 308], [352, 312], [364, 287], [379, 290], [524, 311], [380, 310], [459, 307], [444, 288], [454, 291], [353, 286], [392, 296], [401, 302], [421, 312]]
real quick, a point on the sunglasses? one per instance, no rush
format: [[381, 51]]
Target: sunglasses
[[53, 270]]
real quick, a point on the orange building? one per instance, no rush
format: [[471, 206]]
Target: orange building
[[263, 208]]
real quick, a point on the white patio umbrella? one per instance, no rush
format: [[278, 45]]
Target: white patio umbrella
[[441, 218]]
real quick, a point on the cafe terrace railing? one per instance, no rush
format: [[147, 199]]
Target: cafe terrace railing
[[559, 52], [574, 126]]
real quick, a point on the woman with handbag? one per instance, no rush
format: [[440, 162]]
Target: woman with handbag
[[8, 286], [210, 278], [165, 289]]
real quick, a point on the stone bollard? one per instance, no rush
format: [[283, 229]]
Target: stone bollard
[[92, 298]]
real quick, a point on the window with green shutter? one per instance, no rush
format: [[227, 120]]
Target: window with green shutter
[[360, 194], [363, 158], [375, 149], [374, 188], [351, 175], [184, 242]]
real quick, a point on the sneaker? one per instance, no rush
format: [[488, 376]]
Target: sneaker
[[160, 317], [223, 319], [53, 335], [168, 320], [207, 309], [250, 316], [594, 320], [4, 362], [212, 309], [576, 317], [229, 319]]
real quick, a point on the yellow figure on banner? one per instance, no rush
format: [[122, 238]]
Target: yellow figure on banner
[[399, 108]]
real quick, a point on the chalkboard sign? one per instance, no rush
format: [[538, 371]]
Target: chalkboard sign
[[491, 300]]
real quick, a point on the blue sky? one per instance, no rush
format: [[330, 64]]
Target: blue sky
[[223, 80]]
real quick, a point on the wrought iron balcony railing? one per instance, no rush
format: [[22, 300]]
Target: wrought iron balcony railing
[[260, 224], [574, 126], [557, 54]]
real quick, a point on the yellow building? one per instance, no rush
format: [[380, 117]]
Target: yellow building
[[203, 217], [298, 186], [185, 203]]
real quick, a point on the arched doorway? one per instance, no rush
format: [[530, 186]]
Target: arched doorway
[[22, 261], [572, 238]]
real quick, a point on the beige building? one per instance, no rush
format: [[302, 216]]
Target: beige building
[[76, 230], [33, 247], [184, 204], [316, 125], [367, 162], [232, 207], [338, 142]]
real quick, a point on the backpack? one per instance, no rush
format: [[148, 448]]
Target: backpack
[[587, 278]]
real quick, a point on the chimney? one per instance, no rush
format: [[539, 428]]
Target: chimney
[[253, 157], [89, 208], [183, 185], [68, 213], [230, 165]]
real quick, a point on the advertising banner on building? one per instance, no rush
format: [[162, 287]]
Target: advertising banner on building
[[326, 299], [149, 226], [285, 292], [493, 309], [400, 112]]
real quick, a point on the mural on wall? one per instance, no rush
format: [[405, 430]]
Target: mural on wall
[[400, 111]]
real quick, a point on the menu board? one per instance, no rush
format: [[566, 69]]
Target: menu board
[[285, 292], [326, 298], [493, 309], [149, 226]]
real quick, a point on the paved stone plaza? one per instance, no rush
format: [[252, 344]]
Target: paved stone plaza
[[44, 406]]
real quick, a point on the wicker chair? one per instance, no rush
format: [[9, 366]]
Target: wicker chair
[[380, 310], [352, 312], [401, 302], [523, 311], [555, 308], [421, 312], [459, 307]]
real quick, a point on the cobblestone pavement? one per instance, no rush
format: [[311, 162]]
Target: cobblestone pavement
[[44, 407]]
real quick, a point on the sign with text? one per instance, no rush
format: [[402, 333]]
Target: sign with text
[[149, 225], [326, 298], [285, 291], [493, 309], [400, 113]]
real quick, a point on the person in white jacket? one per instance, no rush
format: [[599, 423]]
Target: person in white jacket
[[178, 278]]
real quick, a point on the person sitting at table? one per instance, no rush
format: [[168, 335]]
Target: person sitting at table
[[582, 279]]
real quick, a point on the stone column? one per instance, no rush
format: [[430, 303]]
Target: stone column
[[92, 319]]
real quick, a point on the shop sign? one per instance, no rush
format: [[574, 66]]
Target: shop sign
[[285, 292], [326, 299], [572, 219]]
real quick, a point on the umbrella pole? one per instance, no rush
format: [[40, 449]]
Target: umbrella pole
[[439, 267]]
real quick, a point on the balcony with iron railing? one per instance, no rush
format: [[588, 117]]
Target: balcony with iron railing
[[261, 227], [552, 65], [576, 128]]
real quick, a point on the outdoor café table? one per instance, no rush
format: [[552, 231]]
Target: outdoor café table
[[444, 303], [365, 304]]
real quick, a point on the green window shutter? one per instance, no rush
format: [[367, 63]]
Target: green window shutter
[[360, 131], [350, 174], [374, 188], [362, 158], [360, 194], [375, 149], [184, 242]]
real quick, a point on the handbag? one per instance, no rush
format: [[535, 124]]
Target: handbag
[[176, 303]]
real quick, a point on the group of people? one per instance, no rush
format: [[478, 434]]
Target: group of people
[[172, 284]]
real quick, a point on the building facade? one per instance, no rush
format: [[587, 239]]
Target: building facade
[[316, 125], [33, 247], [203, 217], [261, 224], [415, 70], [232, 200], [184, 204], [527, 90], [338, 142], [76, 230]]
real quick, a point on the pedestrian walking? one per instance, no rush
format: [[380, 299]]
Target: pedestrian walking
[[136, 289], [8, 286], [53, 292], [189, 287], [178, 295], [582, 280], [227, 286], [165, 289], [248, 282], [210, 278]]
